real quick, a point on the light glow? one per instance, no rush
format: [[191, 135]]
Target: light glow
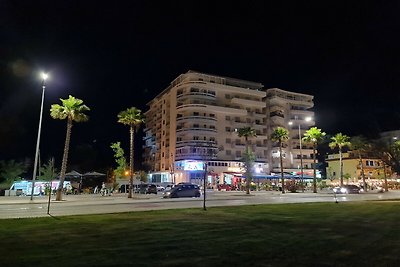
[[44, 76]]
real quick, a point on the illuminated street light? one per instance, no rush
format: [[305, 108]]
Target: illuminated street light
[[307, 119], [44, 77]]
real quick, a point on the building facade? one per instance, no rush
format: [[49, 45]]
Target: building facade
[[194, 122], [290, 110], [373, 167]]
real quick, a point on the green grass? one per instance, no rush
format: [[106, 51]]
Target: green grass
[[322, 234]]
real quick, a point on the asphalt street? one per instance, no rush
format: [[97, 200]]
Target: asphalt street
[[23, 207]]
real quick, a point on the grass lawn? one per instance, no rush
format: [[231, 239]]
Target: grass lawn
[[321, 234]]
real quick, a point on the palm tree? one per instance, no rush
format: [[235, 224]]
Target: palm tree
[[280, 135], [247, 132], [314, 136], [132, 117], [73, 110], [340, 141], [360, 144]]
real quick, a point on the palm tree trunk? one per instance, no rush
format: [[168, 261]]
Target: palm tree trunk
[[131, 162], [64, 161], [315, 169], [281, 159], [362, 172], [384, 175], [248, 174], [341, 167]]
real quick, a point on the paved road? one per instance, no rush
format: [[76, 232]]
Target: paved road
[[22, 207]]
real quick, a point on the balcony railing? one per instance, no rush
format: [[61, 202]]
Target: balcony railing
[[196, 118], [195, 95]]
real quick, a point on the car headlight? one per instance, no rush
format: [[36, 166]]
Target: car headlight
[[343, 190]]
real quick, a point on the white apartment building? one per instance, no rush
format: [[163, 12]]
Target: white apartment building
[[292, 111], [193, 122]]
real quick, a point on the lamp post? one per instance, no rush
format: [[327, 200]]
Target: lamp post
[[44, 77], [300, 148], [172, 170]]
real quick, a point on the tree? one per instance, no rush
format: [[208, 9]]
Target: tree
[[389, 153], [340, 141], [248, 159], [360, 145], [119, 159], [11, 171], [280, 135], [314, 136], [47, 171], [132, 117], [72, 109]]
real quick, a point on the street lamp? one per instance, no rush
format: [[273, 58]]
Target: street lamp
[[307, 119], [44, 77]]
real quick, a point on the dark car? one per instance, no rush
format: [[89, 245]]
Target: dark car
[[183, 190], [147, 189], [347, 189]]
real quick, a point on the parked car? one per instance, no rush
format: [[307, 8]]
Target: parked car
[[160, 188], [347, 189], [183, 190], [147, 189]]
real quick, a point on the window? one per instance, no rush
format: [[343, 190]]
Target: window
[[369, 163], [228, 129], [227, 96], [195, 138], [195, 114], [228, 152], [228, 140], [238, 153], [228, 118]]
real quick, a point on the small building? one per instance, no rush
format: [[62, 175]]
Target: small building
[[373, 167]]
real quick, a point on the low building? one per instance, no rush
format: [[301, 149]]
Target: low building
[[373, 168]]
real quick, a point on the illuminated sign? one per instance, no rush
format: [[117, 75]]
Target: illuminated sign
[[192, 165]]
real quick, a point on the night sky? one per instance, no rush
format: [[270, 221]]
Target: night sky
[[123, 53]]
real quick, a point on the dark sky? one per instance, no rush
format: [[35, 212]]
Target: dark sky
[[122, 53]]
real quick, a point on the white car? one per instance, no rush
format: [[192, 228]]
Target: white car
[[160, 188]]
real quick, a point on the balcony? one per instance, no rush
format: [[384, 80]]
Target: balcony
[[284, 99], [247, 102], [196, 131], [196, 143], [211, 108], [196, 95], [196, 118]]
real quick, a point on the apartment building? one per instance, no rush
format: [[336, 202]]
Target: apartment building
[[292, 111], [193, 122]]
